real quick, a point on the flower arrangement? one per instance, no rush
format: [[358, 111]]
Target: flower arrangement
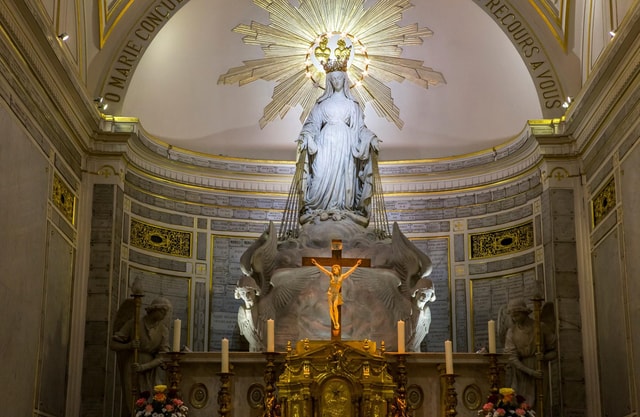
[[160, 404], [506, 404]]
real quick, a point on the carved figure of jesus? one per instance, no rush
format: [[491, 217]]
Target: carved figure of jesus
[[334, 292]]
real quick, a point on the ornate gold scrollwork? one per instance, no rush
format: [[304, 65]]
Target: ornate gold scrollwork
[[160, 239], [500, 242]]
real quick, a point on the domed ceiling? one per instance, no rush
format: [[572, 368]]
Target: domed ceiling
[[179, 94]]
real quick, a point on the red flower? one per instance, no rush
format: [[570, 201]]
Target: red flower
[[487, 407], [520, 412], [501, 412]]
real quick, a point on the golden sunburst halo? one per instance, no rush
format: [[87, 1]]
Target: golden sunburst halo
[[299, 40]]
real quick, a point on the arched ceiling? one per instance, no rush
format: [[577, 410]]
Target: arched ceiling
[[486, 101]]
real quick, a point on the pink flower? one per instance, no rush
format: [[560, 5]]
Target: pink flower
[[500, 412], [168, 407], [520, 412], [140, 402], [487, 407], [148, 408], [177, 402], [525, 406]]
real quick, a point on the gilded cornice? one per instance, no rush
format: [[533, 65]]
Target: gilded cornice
[[494, 167]]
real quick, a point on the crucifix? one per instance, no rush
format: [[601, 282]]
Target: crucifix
[[336, 276]]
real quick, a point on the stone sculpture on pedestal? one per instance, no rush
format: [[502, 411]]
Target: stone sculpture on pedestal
[[336, 195]]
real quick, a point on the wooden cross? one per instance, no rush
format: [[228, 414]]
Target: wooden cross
[[336, 259]]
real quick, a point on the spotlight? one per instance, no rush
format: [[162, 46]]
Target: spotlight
[[612, 33], [100, 103], [63, 36], [567, 102]]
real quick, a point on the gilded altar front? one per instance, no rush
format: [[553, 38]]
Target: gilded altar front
[[335, 379]]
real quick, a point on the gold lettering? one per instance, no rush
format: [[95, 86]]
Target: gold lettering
[[117, 82], [163, 15], [147, 26], [155, 19], [134, 46], [140, 36], [532, 51], [515, 25], [500, 10], [124, 71], [545, 74], [526, 42], [169, 6], [535, 65], [553, 104], [112, 97], [125, 60], [491, 3], [503, 20]]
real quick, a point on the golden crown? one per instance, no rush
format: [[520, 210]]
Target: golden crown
[[335, 65]]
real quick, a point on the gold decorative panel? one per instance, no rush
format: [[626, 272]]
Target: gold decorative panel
[[64, 199], [160, 239], [501, 242], [603, 202], [328, 379]]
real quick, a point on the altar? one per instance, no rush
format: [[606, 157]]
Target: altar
[[352, 376]]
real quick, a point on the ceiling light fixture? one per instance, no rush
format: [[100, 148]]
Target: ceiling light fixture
[[612, 33], [567, 102], [63, 36]]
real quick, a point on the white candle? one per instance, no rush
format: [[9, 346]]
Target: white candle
[[270, 336], [448, 357], [401, 343], [225, 355], [177, 324], [492, 336]]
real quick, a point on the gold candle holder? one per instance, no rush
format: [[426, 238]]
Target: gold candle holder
[[452, 397], [270, 400], [399, 407], [224, 394], [174, 373], [450, 400], [494, 373]]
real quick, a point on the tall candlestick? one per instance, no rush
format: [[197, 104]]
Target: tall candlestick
[[492, 336], [177, 324], [401, 343], [225, 355], [270, 336], [448, 357]]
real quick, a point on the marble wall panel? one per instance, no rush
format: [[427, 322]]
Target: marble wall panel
[[631, 225], [613, 353], [56, 325], [23, 226]]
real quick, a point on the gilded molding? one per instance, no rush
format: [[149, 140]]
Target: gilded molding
[[160, 239], [603, 202], [501, 242], [64, 199]]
